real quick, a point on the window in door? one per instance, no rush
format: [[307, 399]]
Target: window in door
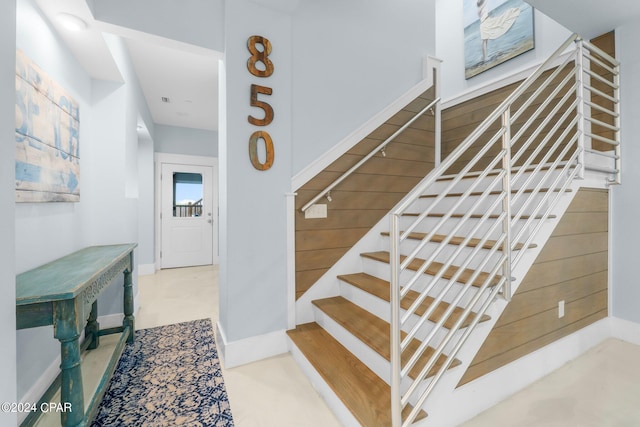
[[187, 194]]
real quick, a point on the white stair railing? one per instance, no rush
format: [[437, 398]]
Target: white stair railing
[[527, 152]]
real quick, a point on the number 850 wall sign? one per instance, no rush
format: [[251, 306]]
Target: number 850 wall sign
[[261, 66]]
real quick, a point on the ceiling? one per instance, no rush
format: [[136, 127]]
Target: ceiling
[[590, 18], [186, 75]]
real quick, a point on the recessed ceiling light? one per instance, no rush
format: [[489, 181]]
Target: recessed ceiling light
[[71, 22]]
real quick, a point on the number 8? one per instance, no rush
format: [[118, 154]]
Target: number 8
[[259, 56]]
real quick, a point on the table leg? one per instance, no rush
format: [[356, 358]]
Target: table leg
[[129, 319], [93, 327], [67, 331]]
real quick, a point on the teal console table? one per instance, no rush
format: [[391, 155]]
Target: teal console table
[[63, 293]]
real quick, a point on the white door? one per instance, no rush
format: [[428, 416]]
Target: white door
[[187, 215]]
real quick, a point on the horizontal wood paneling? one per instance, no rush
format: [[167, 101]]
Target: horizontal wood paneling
[[372, 200], [558, 271], [460, 120], [502, 359], [607, 43], [366, 196], [340, 219], [517, 333], [357, 182], [572, 267]]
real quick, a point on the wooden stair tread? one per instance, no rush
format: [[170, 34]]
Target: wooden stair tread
[[474, 216], [493, 193], [457, 240], [434, 267], [375, 333], [366, 395], [380, 288]]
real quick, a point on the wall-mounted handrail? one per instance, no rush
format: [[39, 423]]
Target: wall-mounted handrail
[[525, 159], [373, 152]]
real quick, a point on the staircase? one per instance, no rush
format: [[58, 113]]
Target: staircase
[[455, 250]]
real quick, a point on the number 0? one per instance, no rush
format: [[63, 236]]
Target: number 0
[[253, 150]]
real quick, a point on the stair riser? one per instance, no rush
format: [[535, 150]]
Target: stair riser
[[429, 224], [448, 203], [381, 270]]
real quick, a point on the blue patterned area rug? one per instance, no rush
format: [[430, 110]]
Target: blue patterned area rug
[[170, 376]]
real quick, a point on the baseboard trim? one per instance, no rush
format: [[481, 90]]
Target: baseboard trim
[[146, 269], [625, 330], [40, 387], [248, 350]]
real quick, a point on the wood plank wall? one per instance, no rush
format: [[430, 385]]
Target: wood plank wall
[[607, 43], [571, 267], [366, 196], [460, 120]]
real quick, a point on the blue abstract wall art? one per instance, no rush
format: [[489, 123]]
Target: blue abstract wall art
[[47, 137]]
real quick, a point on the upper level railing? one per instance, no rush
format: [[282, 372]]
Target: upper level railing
[[522, 159], [189, 210]]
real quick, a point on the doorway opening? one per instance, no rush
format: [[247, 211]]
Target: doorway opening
[[188, 211]]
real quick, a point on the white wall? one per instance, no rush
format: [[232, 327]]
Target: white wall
[[549, 35], [196, 22], [252, 203], [7, 196], [351, 59], [625, 208], [179, 140]]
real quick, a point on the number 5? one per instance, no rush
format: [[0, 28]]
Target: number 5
[[268, 110]]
